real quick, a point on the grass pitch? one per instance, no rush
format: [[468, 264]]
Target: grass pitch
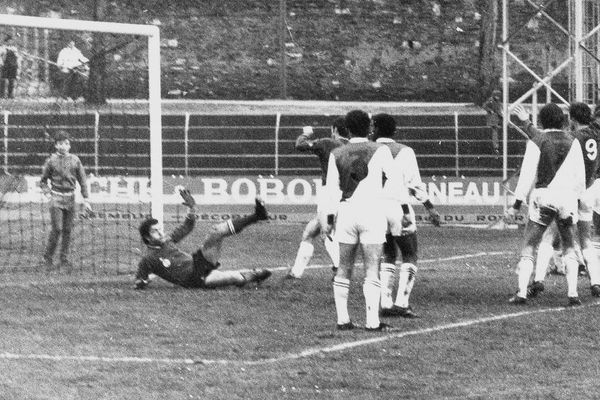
[[84, 336]]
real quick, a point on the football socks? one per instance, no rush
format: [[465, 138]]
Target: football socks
[[341, 288], [386, 275], [525, 268], [305, 253], [372, 293]]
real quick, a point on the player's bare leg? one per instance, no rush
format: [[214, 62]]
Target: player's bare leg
[[218, 278], [211, 247]]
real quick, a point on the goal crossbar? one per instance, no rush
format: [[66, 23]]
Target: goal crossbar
[[152, 32]]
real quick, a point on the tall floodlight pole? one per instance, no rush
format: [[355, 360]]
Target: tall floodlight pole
[[282, 33], [505, 97], [577, 51]]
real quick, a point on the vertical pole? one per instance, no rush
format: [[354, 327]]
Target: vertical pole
[[45, 50], [155, 115], [277, 123], [534, 108], [283, 61], [577, 52], [456, 155], [96, 141], [505, 98], [6, 113], [186, 141]]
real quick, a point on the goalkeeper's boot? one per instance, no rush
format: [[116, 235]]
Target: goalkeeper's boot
[[260, 210], [256, 275]]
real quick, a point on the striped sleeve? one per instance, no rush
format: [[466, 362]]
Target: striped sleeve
[[528, 174]]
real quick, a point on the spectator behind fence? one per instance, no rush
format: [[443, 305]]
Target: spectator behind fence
[[11, 66], [74, 68], [493, 107]]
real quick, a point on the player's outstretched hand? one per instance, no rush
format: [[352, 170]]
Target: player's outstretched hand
[[520, 112], [188, 199], [436, 218]]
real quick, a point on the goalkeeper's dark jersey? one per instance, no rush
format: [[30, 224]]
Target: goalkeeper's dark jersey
[[168, 261]]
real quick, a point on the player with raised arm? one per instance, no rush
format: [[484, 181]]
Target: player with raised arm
[[197, 270], [321, 148], [402, 226], [589, 139], [553, 167], [355, 186]]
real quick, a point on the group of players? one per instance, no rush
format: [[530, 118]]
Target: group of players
[[368, 180], [559, 176], [365, 203]]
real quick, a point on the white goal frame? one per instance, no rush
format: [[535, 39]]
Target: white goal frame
[[152, 32]]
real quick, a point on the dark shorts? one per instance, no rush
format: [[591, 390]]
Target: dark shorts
[[202, 267]]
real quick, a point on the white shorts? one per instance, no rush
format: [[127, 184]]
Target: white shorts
[[360, 224], [547, 205], [589, 202], [394, 216], [322, 207]]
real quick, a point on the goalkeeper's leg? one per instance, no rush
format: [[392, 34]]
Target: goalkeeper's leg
[[213, 243]]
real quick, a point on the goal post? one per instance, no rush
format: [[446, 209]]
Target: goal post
[[152, 32], [119, 140]]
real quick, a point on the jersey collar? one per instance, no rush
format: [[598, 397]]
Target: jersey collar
[[358, 140], [384, 140]]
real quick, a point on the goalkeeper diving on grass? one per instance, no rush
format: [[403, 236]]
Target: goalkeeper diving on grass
[[198, 270]]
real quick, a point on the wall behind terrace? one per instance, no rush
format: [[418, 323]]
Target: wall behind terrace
[[387, 50]]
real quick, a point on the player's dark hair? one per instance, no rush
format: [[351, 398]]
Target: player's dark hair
[[597, 111], [358, 123], [340, 125], [145, 228], [552, 117], [580, 112], [385, 125], [59, 136]]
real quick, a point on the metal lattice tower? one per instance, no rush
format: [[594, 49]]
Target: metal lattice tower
[[582, 63]]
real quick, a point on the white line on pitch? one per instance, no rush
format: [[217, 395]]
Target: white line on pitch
[[292, 356]]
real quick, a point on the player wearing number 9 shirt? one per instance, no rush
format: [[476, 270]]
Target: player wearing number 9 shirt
[[589, 138]]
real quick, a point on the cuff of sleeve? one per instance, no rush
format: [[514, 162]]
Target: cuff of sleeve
[[330, 219], [428, 204], [517, 204]]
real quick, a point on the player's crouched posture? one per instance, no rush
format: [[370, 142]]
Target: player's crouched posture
[[198, 270]]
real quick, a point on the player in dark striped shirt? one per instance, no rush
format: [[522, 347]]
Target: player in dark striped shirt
[[321, 148], [197, 270], [553, 166]]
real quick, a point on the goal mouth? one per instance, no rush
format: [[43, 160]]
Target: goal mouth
[[99, 84]]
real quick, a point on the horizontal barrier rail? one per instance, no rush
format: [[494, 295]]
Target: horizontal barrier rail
[[446, 145]]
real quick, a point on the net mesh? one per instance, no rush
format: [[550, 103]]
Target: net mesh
[[100, 98]]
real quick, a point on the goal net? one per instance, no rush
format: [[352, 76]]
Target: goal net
[[99, 83]]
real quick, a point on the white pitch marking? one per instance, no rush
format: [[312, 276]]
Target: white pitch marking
[[292, 356]]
